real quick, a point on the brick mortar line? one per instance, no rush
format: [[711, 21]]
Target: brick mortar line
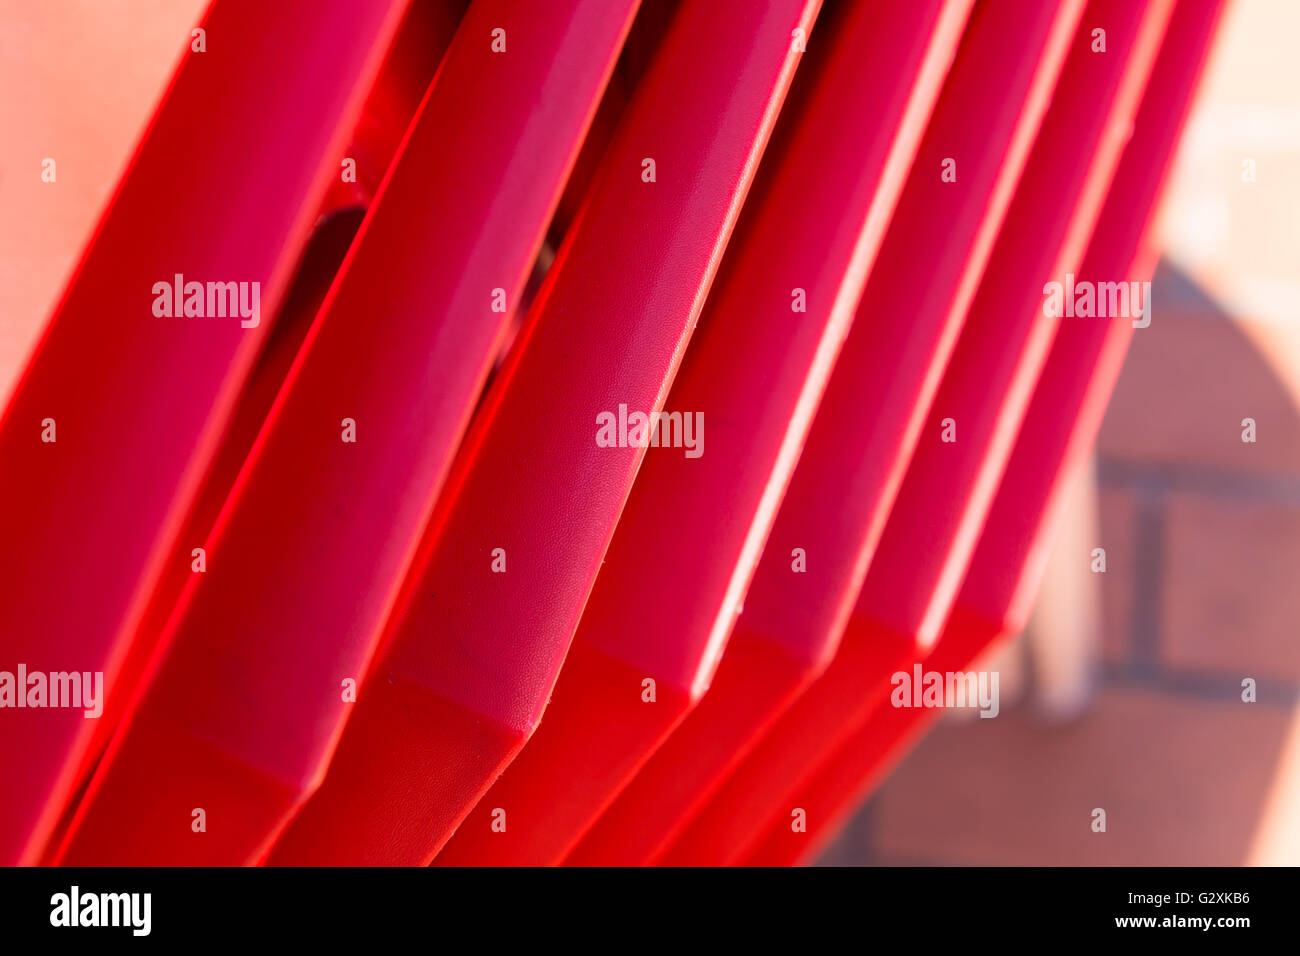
[[1271, 693], [1143, 646], [1117, 473]]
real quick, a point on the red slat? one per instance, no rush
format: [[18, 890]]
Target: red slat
[[945, 233], [138, 400], [306, 557], [476, 653], [694, 526], [944, 499], [390, 107], [1054, 443]]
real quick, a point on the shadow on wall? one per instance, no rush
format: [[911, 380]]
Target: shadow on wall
[[1202, 536]]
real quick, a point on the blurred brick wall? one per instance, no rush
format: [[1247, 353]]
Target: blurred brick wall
[[1202, 535]]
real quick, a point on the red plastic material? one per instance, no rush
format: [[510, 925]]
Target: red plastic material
[[694, 525], [987, 117], [98, 508], [944, 499], [320, 263], [335, 562], [396, 94], [268, 636], [475, 653], [417, 51], [1055, 440]]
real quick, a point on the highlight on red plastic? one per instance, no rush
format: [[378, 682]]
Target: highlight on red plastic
[[1054, 443], [695, 521], [944, 499], [851, 464]]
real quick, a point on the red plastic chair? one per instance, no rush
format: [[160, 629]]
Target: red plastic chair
[[389, 109], [1054, 443], [944, 499], [413, 534], [306, 557], [475, 652], [986, 119], [139, 401], [694, 526]]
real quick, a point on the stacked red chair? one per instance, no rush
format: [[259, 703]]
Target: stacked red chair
[[633, 388]]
